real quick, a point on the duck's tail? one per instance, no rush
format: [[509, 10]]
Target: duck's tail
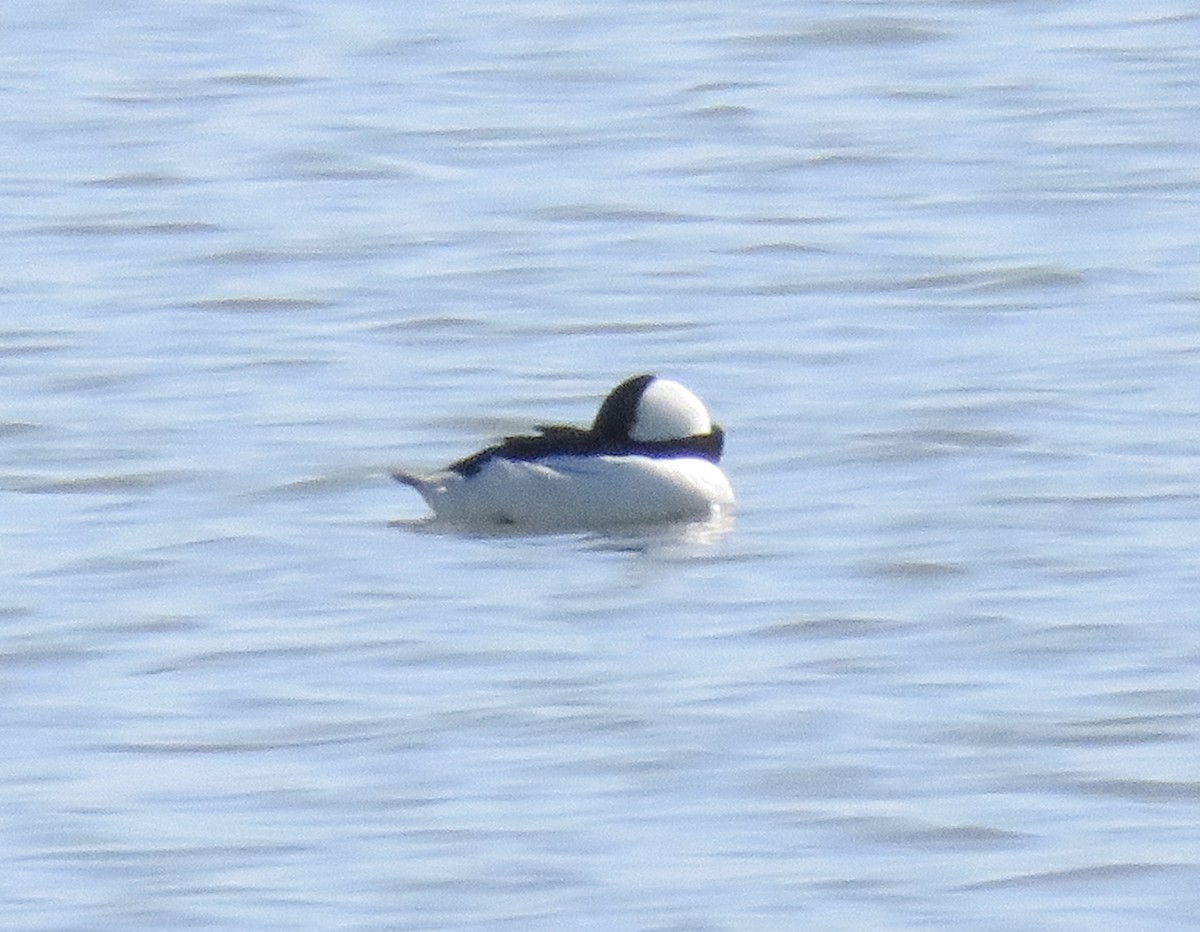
[[409, 478], [427, 486]]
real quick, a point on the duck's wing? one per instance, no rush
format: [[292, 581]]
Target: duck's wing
[[550, 440], [565, 440]]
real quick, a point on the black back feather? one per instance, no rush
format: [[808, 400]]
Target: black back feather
[[609, 435]]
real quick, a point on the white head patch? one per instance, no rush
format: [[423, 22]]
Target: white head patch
[[668, 411]]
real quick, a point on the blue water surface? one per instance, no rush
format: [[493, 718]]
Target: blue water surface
[[934, 267]]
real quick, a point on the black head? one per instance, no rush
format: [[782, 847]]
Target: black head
[[615, 418]]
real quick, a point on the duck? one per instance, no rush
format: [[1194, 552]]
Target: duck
[[651, 455]]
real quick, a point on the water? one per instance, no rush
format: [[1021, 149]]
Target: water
[[932, 265]]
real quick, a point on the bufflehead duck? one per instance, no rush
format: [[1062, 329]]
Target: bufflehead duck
[[650, 456]]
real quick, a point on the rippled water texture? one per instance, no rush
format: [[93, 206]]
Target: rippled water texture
[[932, 265]]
